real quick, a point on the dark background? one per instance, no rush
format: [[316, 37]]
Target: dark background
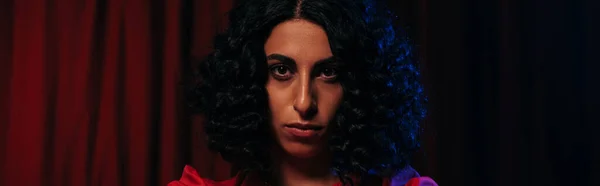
[[91, 90], [513, 90]]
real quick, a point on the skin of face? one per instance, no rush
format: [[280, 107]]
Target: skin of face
[[302, 85]]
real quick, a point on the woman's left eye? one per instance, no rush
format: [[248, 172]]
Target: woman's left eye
[[328, 73]]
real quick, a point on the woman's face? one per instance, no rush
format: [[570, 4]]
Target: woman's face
[[304, 93]]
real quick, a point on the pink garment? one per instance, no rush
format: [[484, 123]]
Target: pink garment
[[191, 178]]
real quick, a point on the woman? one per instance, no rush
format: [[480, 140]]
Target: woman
[[311, 92]]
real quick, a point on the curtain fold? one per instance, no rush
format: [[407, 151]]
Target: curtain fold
[[94, 91]]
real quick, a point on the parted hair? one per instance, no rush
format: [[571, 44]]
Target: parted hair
[[375, 129]]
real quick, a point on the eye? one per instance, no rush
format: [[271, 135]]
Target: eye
[[280, 72], [328, 73]]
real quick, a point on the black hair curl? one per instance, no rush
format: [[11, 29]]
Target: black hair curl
[[376, 127]]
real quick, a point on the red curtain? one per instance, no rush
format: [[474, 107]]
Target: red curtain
[[91, 91]]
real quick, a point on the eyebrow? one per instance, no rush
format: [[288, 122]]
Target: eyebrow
[[289, 61]]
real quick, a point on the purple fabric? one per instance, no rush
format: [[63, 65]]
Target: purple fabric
[[403, 176]]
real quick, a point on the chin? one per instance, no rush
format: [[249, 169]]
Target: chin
[[299, 150]]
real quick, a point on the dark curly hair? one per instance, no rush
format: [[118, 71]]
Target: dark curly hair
[[376, 127]]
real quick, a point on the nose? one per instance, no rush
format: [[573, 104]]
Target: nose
[[305, 103]]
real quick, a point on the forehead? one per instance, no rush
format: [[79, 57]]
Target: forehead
[[299, 39]]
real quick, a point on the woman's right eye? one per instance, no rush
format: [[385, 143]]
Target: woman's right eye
[[281, 72]]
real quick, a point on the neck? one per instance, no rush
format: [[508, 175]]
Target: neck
[[294, 171]]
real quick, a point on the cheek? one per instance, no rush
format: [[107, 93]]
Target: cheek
[[330, 98], [278, 96]]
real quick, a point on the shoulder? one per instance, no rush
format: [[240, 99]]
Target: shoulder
[[417, 181], [408, 177], [421, 181], [190, 177]]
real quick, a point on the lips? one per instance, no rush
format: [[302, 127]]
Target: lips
[[303, 131], [304, 126]]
